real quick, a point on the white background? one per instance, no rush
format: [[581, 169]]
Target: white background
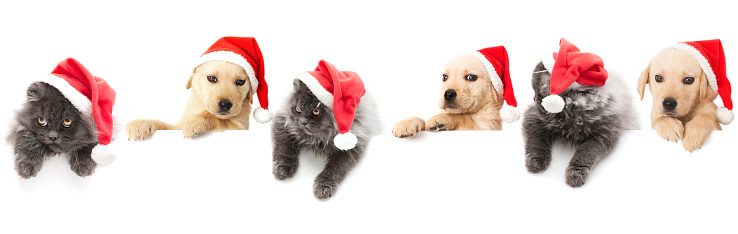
[[451, 182]]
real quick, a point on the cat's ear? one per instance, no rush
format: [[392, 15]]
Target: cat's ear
[[35, 91], [298, 84]]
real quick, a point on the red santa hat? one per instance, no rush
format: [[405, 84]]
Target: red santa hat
[[244, 52], [341, 91], [497, 65], [570, 66], [92, 97], [710, 55]]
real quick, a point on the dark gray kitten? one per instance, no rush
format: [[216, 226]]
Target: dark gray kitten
[[591, 121], [47, 125], [313, 128]]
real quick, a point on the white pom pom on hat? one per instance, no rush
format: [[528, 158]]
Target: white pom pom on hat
[[262, 116], [553, 103], [345, 141]]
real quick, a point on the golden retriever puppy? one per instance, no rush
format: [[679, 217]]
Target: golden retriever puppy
[[473, 89], [680, 82], [223, 85]]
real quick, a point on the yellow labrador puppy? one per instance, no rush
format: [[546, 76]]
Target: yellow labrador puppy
[[683, 106]]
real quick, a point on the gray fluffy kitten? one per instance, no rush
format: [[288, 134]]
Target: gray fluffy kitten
[[47, 125], [591, 121], [313, 128]]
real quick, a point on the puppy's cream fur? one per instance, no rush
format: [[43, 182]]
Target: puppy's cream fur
[[476, 107], [202, 113], [694, 116]]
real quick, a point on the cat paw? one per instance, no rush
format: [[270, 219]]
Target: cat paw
[[670, 129], [576, 175], [194, 127], [439, 123], [27, 170], [323, 189], [537, 163], [84, 167], [139, 129], [408, 127], [283, 171]]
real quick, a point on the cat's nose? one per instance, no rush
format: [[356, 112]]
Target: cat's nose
[[303, 121], [53, 135], [225, 105]]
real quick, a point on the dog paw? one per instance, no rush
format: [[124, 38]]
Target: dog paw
[[283, 171], [323, 188], [537, 163], [139, 129], [194, 127], [27, 170], [694, 139], [439, 123], [669, 128], [408, 127], [84, 166], [576, 175]]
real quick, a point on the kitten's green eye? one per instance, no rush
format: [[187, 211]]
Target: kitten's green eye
[[316, 112], [67, 123], [42, 121], [297, 108]]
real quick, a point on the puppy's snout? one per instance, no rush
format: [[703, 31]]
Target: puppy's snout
[[225, 105], [669, 104], [449, 95]]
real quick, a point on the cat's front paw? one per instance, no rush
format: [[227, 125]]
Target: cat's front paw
[[27, 169], [195, 126], [83, 166], [537, 162], [576, 175], [139, 129], [441, 122], [283, 171], [323, 188], [408, 127]]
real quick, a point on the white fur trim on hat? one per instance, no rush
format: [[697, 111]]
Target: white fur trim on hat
[[317, 89], [704, 64], [724, 115], [509, 114], [103, 154], [345, 141], [496, 80], [262, 116], [553, 103], [78, 100], [234, 58]]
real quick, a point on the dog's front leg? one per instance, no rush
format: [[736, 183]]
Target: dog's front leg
[[199, 123], [444, 122], [585, 157], [697, 130], [668, 128], [408, 127]]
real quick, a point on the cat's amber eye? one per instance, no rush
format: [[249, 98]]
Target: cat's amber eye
[[297, 108], [42, 121], [316, 112], [67, 123]]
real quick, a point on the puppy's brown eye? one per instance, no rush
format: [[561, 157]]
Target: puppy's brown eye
[[471, 77], [67, 123], [42, 121], [316, 112], [212, 79], [688, 80], [445, 77], [240, 82], [659, 79], [297, 108]]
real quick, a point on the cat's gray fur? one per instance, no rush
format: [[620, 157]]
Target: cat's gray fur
[[290, 137], [591, 121], [32, 142]]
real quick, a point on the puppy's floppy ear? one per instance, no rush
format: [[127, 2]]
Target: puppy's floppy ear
[[35, 91], [705, 90], [250, 97], [643, 80], [494, 95], [189, 82]]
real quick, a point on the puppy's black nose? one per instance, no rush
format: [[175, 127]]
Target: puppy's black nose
[[669, 104], [225, 105], [450, 95]]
